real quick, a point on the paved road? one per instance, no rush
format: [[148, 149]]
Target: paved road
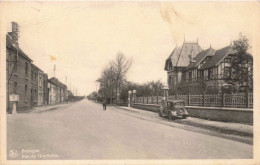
[[84, 131]]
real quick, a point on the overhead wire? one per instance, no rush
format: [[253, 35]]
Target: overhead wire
[[46, 16], [75, 10]]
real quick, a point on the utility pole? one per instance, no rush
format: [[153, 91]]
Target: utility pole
[[54, 70]]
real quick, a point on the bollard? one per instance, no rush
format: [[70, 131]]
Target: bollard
[[129, 98], [14, 108]]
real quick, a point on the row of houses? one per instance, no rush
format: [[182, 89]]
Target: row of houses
[[191, 64], [27, 81]]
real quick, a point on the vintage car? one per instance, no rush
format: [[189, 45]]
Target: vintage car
[[173, 109]]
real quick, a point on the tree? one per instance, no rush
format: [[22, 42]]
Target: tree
[[121, 66], [113, 76], [241, 65], [107, 83], [152, 88]]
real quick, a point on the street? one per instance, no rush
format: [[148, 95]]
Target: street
[[82, 130]]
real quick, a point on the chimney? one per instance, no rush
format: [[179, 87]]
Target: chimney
[[15, 34]]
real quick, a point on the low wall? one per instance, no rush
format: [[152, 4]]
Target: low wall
[[149, 107], [237, 115], [122, 104]]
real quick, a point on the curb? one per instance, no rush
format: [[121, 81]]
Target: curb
[[224, 130]]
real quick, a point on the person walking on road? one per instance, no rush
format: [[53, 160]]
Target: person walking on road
[[104, 104]]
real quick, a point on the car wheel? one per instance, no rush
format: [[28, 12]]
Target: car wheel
[[170, 116], [160, 114]]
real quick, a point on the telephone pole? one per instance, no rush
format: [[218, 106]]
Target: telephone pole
[[54, 69]]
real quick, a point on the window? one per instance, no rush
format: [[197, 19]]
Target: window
[[227, 72], [170, 65], [26, 69], [215, 72], [174, 80], [170, 79], [35, 77], [15, 87], [25, 90], [227, 60], [206, 74], [210, 73], [40, 81], [31, 75]]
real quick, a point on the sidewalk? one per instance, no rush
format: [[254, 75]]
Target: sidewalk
[[223, 127], [45, 108]]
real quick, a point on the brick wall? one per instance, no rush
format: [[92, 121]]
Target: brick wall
[[20, 82]]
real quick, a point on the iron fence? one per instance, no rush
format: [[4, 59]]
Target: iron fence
[[244, 100]]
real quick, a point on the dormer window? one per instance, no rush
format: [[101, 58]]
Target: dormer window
[[227, 60], [170, 65]]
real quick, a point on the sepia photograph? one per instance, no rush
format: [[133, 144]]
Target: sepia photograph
[[120, 82]]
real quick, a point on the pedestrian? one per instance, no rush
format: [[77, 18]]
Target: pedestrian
[[104, 104]]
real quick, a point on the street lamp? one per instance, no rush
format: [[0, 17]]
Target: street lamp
[[165, 92]]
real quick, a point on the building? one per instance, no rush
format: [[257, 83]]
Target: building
[[52, 92], [178, 61], [217, 71], [57, 91], [193, 71], [34, 85], [45, 90], [18, 69], [40, 88], [26, 80], [210, 67]]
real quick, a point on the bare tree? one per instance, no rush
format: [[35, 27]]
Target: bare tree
[[121, 66]]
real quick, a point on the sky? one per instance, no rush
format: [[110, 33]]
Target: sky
[[85, 36]]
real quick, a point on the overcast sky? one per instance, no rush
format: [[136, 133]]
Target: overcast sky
[[85, 36]]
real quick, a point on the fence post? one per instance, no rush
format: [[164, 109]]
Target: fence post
[[223, 99], [147, 99], [188, 99], [204, 99], [143, 99], [157, 99], [247, 99]]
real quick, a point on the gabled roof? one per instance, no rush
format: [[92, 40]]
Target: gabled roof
[[11, 45], [55, 81], [187, 50], [218, 57], [201, 56], [36, 67], [173, 57], [180, 56]]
